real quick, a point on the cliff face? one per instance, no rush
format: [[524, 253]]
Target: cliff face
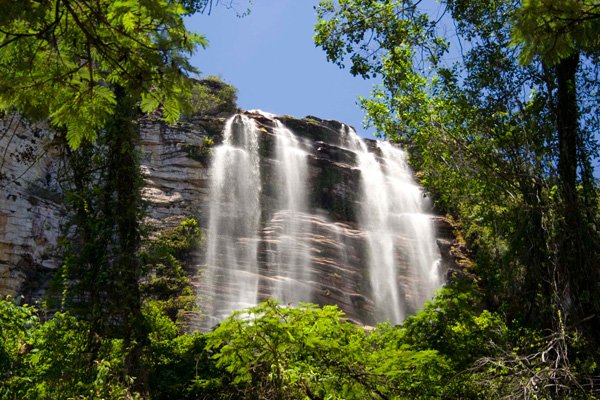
[[175, 163], [31, 208], [175, 166]]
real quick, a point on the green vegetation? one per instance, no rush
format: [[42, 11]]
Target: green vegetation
[[201, 152], [265, 352], [212, 96], [166, 285], [448, 350], [504, 138], [64, 60]]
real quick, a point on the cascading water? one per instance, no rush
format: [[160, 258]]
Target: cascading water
[[409, 218], [392, 209], [289, 253], [266, 239], [231, 277]]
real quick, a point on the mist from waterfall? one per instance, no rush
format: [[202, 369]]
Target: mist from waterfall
[[392, 209], [289, 253], [230, 280]]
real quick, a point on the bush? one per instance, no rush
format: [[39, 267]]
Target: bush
[[58, 359], [212, 96]]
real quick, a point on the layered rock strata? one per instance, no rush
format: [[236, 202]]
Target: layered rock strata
[[31, 207]]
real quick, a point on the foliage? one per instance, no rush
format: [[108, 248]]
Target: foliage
[[272, 351], [278, 352], [63, 365], [174, 360], [16, 324], [554, 30], [539, 369], [451, 349], [202, 152], [54, 359], [211, 96], [206, 6], [177, 362], [166, 283], [492, 359], [431, 353], [61, 60]]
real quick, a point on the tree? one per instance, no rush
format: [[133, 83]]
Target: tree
[[63, 59], [101, 273], [503, 144], [276, 352], [279, 352], [562, 35], [91, 67]]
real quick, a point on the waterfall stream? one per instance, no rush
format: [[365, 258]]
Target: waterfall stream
[[289, 256], [232, 234], [408, 217], [267, 237]]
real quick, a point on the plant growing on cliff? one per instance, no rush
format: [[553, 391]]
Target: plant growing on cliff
[[212, 96], [166, 284]]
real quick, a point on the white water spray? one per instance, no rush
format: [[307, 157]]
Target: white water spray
[[231, 278], [289, 255], [392, 210], [409, 216]]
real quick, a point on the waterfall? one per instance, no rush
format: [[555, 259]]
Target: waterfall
[[409, 217], [289, 252], [230, 281], [392, 209], [268, 235]]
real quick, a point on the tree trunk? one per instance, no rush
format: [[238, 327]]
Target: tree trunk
[[103, 269], [124, 181], [568, 128], [577, 274]]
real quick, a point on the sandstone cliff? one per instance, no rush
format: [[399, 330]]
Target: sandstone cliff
[[31, 207], [175, 165]]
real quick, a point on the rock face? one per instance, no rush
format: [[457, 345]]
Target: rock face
[[175, 163], [31, 209]]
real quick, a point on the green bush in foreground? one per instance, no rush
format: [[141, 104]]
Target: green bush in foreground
[[450, 349]]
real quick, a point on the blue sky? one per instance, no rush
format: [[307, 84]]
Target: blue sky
[[270, 57]]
